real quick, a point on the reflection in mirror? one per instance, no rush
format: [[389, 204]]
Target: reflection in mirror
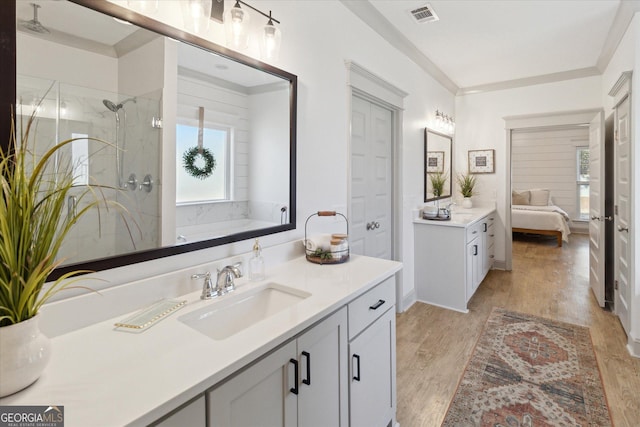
[[437, 163], [201, 147]]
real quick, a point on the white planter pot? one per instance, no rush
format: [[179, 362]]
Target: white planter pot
[[466, 203], [24, 353]]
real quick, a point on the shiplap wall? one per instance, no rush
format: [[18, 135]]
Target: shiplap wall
[[546, 158]]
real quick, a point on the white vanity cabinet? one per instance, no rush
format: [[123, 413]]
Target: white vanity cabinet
[[192, 414], [372, 356], [453, 257], [302, 383]]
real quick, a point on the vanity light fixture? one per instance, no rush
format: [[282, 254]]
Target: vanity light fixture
[[196, 15], [236, 22], [144, 6], [444, 122]]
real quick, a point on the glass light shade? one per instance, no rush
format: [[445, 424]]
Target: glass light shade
[[270, 42], [236, 26], [144, 6], [196, 15]]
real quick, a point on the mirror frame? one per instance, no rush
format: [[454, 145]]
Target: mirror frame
[[8, 96], [426, 175]]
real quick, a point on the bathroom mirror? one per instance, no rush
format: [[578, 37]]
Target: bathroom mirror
[[149, 90], [437, 163]]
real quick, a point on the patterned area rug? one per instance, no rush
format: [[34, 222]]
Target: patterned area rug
[[533, 372]]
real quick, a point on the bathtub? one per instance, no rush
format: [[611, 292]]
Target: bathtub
[[194, 233]]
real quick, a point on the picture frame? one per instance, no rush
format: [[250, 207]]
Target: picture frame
[[481, 161], [435, 161]]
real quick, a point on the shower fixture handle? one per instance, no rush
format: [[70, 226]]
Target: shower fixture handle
[[132, 183], [147, 183]]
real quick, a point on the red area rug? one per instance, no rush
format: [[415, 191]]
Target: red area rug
[[527, 371]]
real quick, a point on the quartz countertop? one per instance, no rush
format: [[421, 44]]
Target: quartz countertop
[[107, 376], [459, 217]]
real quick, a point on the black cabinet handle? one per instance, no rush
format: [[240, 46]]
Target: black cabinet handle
[[475, 249], [485, 227], [356, 377], [377, 305], [307, 380], [294, 389]]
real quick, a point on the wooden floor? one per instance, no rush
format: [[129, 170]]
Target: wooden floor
[[435, 344]]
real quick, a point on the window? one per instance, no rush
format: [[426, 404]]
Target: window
[[215, 187], [582, 181]]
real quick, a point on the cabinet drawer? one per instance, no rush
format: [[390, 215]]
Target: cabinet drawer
[[474, 231], [368, 307]]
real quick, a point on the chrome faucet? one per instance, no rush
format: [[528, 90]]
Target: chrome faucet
[[226, 275], [208, 291], [447, 210]]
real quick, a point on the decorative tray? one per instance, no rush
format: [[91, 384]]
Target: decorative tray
[[150, 315]]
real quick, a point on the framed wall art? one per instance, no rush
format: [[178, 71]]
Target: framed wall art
[[435, 161], [481, 161]]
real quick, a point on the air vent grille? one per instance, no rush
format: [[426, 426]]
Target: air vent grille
[[424, 14]]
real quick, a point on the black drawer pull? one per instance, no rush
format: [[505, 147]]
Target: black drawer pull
[[475, 249], [377, 305], [356, 377], [485, 227], [294, 389], [307, 380]]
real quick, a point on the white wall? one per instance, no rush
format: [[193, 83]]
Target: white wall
[[480, 125], [627, 58], [316, 54]]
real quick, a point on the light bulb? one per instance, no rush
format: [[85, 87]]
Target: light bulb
[[270, 43], [236, 25]]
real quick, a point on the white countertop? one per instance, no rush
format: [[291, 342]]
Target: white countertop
[[109, 377], [459, 217]]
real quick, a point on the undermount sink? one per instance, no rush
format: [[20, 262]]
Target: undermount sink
[[234, 313]]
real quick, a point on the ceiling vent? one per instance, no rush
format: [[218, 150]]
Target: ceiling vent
[[424, 14]]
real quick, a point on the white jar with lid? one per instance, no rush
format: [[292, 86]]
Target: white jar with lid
[[339, 246]]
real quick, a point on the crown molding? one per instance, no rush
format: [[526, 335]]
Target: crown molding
[[624, 16], [364, 10], [381, 25], [531, 81]]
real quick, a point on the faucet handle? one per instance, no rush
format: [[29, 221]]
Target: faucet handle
[[208, 290]]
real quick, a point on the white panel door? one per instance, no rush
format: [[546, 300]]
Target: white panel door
[[596, 207], [371, 179], [623, 213]]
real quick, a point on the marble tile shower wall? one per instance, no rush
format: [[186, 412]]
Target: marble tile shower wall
[[101, 232]]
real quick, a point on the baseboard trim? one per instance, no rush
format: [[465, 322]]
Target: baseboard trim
[[407, 302], [499, 265], [633, 345], [465, 311]]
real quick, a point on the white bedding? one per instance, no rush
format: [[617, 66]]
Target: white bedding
[[541, 218]]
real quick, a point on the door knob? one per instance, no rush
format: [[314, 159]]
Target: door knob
[[621, 228], [373, 225]]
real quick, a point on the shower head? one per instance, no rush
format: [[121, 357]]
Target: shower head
[[34, 25], [111, 106]]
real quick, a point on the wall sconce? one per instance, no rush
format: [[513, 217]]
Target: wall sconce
[[196, 15], [444, 122], [236, 23]]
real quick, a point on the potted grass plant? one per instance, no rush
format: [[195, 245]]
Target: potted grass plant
[[466, 182], [437, 179], [33, 224]]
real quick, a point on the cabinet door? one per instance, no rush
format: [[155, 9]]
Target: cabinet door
[[471, 270], [373, 374], [258, 396], [192, 415], [323, 381]]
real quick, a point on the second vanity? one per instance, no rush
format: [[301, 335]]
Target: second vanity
[[453, 257], [328, 358]]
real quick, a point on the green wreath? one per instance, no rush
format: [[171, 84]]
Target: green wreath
[[189, 160]]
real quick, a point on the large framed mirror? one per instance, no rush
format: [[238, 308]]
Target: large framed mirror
[[437, 165], [162, 98]]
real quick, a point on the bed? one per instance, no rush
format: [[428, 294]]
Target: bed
[[540, 218]]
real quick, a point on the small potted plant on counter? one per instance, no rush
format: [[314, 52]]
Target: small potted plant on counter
[[466, 182]]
